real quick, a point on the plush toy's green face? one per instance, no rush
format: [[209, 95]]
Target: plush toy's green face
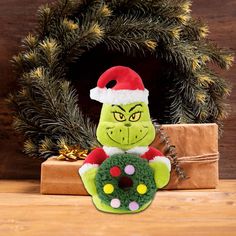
[[125, 126]]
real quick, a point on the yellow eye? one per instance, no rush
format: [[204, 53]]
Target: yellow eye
[[119, 116], [135, 116]]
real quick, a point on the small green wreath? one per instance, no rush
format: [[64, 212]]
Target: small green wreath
[[46, 107], [125, 182]]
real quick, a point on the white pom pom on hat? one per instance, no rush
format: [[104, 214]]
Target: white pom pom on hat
[[129, 87]]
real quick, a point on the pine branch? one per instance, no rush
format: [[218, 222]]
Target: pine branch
[[173, 11], [89, 37], [49, 110], [31, 148], [188, 102], [142, 34], [48, 148], [30, 42], [195, 30], [45, 18], [49, 51], [176, 10], [79, 35], [210, 52], [143, 27], [180, 54]]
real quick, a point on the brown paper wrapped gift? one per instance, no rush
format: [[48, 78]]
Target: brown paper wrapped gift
[[197, 151]]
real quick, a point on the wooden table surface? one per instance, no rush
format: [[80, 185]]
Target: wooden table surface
[[23, 211]]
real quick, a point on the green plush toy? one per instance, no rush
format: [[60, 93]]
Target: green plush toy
[[125, 129]]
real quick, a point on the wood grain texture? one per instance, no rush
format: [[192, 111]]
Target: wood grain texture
[[220, 15], [25, 212], [18, 18]]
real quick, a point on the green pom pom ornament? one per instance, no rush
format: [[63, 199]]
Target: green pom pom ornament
[[125, 182]]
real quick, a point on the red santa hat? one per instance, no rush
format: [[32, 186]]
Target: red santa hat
[[129, 87]]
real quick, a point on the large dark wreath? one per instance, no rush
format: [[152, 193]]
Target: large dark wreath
[[46, 108]]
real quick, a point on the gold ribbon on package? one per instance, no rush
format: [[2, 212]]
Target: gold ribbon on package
[[72, 153]]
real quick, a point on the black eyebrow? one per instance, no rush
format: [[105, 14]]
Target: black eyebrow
[[120, 107], [132, 108]]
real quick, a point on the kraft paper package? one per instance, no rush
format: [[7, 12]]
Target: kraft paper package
[[197, 151]]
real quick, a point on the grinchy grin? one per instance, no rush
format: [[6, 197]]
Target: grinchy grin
[[128, 138]]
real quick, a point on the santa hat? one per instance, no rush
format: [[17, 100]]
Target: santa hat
[[129, 87]]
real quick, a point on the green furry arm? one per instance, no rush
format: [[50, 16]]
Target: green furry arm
[[88, 179], [161, 173]]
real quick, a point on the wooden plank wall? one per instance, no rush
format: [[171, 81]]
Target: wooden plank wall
[[18, 18]]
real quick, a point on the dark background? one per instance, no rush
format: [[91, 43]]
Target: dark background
[[18, 18]]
